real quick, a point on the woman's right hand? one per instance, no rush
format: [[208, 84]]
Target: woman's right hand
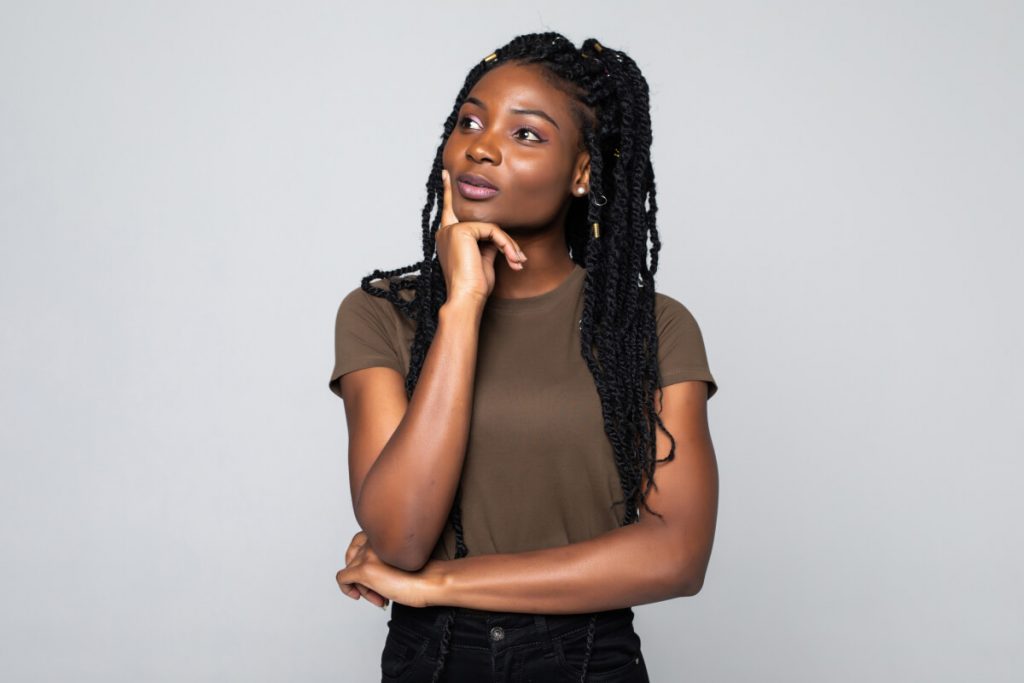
[[468, 264]]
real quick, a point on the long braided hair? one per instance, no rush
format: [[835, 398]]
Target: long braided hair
[[618, 334]]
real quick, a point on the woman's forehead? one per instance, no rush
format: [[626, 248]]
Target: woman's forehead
[[524, 84]]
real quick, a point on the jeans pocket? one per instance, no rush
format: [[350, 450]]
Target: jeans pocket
[[403, 647], [612, 656]]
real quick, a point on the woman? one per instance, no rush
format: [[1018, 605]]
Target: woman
[[506, 415]]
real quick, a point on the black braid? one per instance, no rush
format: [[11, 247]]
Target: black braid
[[618, 340]]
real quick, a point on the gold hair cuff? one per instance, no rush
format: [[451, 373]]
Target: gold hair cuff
[[597, 230], [491, 57], [597, 47]]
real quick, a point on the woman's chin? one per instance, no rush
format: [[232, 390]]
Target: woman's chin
[[468, 210]]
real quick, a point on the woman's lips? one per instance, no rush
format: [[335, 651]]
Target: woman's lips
[[475, 191]]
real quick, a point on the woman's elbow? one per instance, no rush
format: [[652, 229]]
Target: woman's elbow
[[406, 563], [690, 572], [407, 559], [405, 555], [690, 585]]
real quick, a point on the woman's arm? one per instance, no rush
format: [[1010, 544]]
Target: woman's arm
[[652, 560], [405, 458]]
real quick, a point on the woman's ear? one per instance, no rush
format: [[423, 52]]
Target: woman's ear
[[581, 172]]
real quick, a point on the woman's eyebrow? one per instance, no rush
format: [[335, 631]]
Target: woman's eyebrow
[[534, 112]]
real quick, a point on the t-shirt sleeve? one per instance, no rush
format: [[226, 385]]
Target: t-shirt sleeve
[[363, 336], [681, 352]]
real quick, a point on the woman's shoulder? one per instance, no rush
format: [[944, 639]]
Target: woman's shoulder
[[670, 310], [681, 351]]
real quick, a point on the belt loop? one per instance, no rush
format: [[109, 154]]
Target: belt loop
[[545, 635]]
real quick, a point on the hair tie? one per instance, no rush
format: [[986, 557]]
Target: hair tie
[[598, 48]]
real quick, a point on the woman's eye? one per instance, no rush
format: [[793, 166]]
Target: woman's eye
[[531, 133], [464, 119]]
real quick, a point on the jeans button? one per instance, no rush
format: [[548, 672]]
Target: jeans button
[[497, 633]]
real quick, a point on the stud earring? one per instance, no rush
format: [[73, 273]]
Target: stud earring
[[580, 189]]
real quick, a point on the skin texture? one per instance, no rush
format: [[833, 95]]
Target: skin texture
[[405, 457]]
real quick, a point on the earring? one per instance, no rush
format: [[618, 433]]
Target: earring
[[580, 189]]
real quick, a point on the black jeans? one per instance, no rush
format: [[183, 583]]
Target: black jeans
[[510, 647]]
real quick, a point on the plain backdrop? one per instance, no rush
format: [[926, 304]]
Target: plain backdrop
[[188, 189]]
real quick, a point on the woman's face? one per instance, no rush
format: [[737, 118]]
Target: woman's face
[[531, 157]]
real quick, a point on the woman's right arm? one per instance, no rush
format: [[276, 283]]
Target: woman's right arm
[[405, 457]]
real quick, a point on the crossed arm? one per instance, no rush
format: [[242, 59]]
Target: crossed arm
[[393, 443], [652, 560]]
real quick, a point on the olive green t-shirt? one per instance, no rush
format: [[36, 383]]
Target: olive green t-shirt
[[539, 469]]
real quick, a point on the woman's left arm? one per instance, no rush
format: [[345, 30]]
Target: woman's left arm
[[654, 559]]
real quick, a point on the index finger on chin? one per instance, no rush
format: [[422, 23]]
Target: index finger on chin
[[447, 213]]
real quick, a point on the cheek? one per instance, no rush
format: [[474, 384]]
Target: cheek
[[540, 187], [446, 155], [537, 177]]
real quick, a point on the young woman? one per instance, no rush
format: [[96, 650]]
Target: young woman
[[512, 407]]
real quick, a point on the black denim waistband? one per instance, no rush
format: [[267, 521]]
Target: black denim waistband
[[474, 624]]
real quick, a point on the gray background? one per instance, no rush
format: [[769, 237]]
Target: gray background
[[188, 189]]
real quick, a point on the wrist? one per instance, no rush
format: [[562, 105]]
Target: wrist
[[436, 583], [462, 305]]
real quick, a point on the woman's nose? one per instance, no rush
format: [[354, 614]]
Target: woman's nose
[[483, 148]]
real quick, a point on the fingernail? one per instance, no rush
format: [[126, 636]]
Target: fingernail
[[522, 256]]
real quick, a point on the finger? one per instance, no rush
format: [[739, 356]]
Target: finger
[[355, 590], [372, 595], [507, 245], [488, 252], [348, 588], [347, 583], [447, 212], [358, 541]]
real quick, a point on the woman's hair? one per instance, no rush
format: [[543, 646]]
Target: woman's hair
[[610, 103]]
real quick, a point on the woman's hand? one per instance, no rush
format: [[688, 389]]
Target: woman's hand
[[357, 590], [379, 582], [467, 264]]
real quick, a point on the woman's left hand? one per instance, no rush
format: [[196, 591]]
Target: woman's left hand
[[357, 590], [365, 570]]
